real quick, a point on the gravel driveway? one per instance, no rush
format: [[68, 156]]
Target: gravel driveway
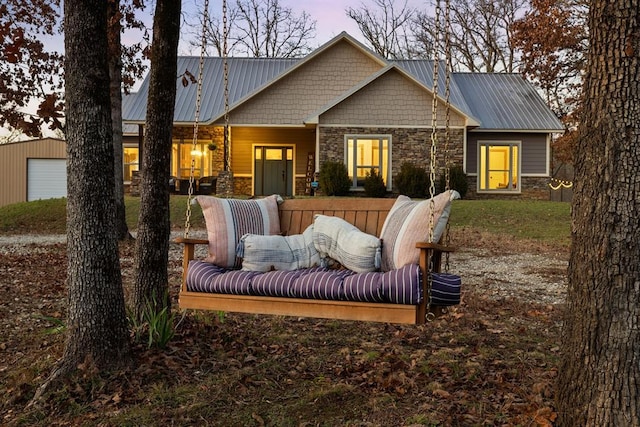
[[533, 277]]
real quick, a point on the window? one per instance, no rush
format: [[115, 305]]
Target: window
[[183, 153], [364, 153], [499, 167], [130, 162]]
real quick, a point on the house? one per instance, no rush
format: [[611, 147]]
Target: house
[[343, 102]]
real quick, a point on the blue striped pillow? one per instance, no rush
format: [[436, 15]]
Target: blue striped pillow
[[337, 239]]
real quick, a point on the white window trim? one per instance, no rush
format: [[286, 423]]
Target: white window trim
[[370, 136], [518, 188]]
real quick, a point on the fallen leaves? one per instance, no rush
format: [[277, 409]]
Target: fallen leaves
[[484, 362]]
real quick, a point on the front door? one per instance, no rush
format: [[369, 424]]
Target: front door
[[273, 170]]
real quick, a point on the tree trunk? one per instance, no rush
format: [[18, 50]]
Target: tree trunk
[[152, 242], [600, 370], [114, 29], [96, 323]]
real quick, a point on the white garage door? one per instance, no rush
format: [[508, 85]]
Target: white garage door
[[46, 179]]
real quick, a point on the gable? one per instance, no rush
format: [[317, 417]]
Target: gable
[[390, 100], [289, 100]]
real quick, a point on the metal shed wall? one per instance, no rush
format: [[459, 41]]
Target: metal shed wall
[[13, 165]]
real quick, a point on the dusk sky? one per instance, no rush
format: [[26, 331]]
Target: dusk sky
[[329, 15]]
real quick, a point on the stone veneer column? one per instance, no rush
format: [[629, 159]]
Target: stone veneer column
[[224, 183]]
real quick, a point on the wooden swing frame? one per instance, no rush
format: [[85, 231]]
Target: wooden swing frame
[[367, 214]]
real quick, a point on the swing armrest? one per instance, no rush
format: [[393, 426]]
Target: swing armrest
[[434, 246], [432, 253], [189, 247], [189, 241], [188, 253]]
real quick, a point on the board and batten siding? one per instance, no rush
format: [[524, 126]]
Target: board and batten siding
[[534, 150], [13, 165], [295, 97], [390, 100], [244, 138]]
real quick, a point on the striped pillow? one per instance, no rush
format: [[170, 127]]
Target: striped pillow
[[408, 223], [265, 253], [227, 220], [337, 239]]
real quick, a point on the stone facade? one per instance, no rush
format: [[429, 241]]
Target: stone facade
[[407, 145], [225, 183], [242, 186]]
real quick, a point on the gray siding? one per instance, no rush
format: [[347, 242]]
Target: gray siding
[[534, 150]]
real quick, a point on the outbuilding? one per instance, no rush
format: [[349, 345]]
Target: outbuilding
[[33, 170]]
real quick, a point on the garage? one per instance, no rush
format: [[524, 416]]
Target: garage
[[46, 179]]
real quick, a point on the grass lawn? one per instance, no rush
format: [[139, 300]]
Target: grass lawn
[[543, 221]]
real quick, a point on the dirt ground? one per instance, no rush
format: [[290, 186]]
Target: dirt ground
[[489, 361]]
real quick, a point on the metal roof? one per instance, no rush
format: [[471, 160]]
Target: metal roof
[[246, 75], [506, 102], [496, 101]]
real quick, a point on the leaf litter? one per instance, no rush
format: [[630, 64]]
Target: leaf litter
[[492, 360]]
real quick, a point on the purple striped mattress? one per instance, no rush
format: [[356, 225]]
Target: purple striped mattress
[[401, 286]]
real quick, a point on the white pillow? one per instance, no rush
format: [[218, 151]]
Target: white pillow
[[335, 238], [266, 253]]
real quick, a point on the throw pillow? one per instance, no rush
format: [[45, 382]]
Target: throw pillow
[[265, 253], [335, 238], [408, 223], [227, 220]]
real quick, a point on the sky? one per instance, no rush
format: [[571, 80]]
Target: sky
[[329, 15]]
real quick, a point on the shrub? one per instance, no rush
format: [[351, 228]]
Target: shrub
[[457, 180], [334, 179], [412, 181], [374, 185]]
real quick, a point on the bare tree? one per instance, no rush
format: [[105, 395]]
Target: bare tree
[[388, 29], [480, 33], [261, 29]]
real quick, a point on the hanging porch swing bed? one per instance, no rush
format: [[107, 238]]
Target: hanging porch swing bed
[[352, 259]]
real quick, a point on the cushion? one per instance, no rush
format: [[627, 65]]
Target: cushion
[[445, 289], [321, 284], [200, 274], [408, 223], [265, 253], [335, 238], [227, 220], [277, 283], [403, 286]]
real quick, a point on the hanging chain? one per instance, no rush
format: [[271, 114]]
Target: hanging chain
[[447, 138], [434, 121], [225, 36], [432, 151], [194, 145]]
